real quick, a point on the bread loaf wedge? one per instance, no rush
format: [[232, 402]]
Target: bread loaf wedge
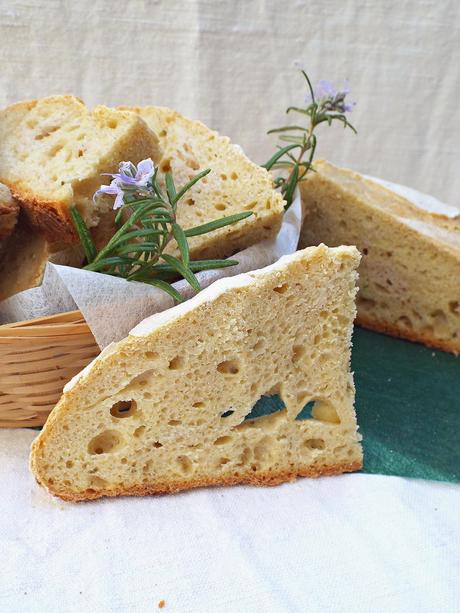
[[410, 271], [171, 406], [24, 255], [235, 184], [52, 154], [9, 210]]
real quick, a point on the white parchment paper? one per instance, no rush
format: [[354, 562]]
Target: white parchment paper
[[112, 306]]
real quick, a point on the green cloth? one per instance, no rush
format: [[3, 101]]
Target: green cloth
[[408, 407]]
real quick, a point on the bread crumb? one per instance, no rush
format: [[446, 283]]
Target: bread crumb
[[161, 604]]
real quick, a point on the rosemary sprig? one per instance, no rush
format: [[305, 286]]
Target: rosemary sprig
[[147, 223], [324, 105]]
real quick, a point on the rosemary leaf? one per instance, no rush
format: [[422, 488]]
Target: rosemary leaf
[[192, 182], [182, 243], [182, 270], [278, 155], [171, 189], [217, 223], [84, 234], [166, 287]]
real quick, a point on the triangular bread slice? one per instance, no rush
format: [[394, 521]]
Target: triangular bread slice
[[164, 409], [235, 184], [410, 271], [53, 151]]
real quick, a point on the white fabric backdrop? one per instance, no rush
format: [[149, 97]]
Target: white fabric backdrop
[[230, 63], [348, 544]]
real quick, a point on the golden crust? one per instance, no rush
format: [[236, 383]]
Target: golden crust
[[268, 478], [409, 335], [44, 217]]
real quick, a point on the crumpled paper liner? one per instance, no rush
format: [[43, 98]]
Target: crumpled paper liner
[[113, 306]]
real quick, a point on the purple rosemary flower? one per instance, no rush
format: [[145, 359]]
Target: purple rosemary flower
[[114, 189], [129, 179], [135, 177], [329, 99]]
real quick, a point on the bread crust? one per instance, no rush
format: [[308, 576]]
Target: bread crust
[[43, 216], [409, 335], [263, 478]]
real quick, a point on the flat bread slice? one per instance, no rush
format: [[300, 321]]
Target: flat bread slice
[[234, 185], [410, 271], [171, 407], [53, 151]]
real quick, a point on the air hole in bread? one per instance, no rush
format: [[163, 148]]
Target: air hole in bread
[[298, 351], [174, 422], [138, 432], [193, 164], [223, 440], [262, 449], [97, 482], [404, 321], [220, 206], [223, 176], [229, 367], [324, 411], [365, 251], [250, 206], [314, 443], [165, 165], [123, 408], [151, 355], [55, 150], [184, 464], [234, 176], [106, 442], [69, 464], [45, 132], [157, 445], [454, 307], [80, 153], [176, 363], [112, 123], [245, 457], [280, 289], [259, 345], [227, 413], [190, 201], [198, 405]]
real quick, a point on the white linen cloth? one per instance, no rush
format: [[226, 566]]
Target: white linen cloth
[[353, 543], [231, 64]]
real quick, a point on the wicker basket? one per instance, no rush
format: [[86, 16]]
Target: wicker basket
[[37, 358]]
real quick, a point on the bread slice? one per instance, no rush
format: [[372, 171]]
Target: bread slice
[[9, 211], [24, 255], [410, 272], [235, 184], [165, 409], [52, 154]]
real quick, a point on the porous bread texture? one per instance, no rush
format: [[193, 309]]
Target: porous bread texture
[[24, 255], [234, 185], [410, 270], [9, 210], [164, 409], [53, 151]]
